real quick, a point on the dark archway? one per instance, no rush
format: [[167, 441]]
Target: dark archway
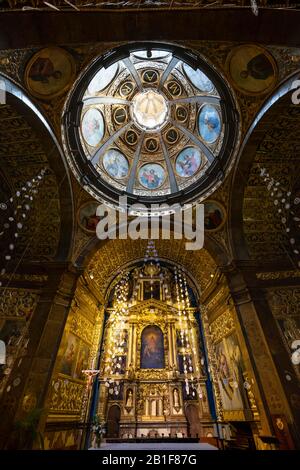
[[192, 416], [113, 421]]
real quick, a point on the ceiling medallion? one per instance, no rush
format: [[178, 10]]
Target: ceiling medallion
[[153, 121]]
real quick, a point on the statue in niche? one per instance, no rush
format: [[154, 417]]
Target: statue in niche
[[129, 400], [176, 398]]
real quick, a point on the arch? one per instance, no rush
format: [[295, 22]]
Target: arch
[[201, 265], [152, 348], [18, 100], [211, 245], [263, 122], [113, 421]]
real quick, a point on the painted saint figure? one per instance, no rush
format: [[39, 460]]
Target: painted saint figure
[[152, 353], [42, 70]]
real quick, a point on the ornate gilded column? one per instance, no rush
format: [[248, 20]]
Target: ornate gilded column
[[171, 345], [212, 361], [33, 374], [147, 407], [134, 348], [262, 341], [130, 346]]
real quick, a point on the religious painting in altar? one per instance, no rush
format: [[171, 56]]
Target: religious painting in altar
[[82, 361], [68, 362], [252, 69], [151, 290], [152, 348], [123, 339], [230, 374], [49, 72]]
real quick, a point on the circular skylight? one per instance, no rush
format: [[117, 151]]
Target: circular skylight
[[149, 110], [152, 121]]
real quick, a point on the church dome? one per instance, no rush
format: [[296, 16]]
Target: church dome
[[155, 122]]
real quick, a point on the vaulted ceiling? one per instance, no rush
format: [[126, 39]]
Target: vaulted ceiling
[[257, 229], [253, 231], [27, 148], [278, 152], [114, 255]]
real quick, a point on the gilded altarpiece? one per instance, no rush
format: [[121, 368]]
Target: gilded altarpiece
[[69, 394], [152, 397], [232, 375]]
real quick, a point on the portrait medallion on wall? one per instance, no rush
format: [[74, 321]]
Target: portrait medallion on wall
[[49, 72], [252, 69], [87, 218], [214, 215], [151, 175]]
